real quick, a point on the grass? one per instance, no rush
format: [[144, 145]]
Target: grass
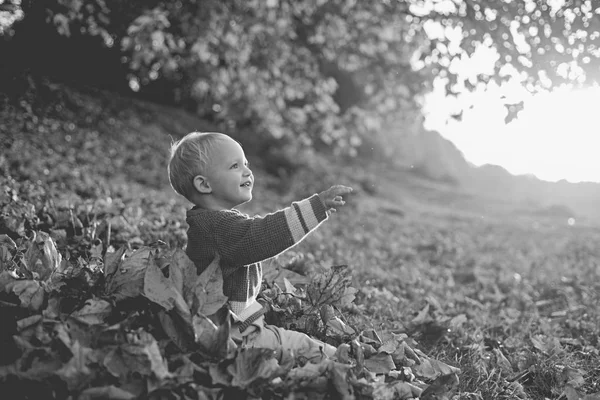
[[512, 299]]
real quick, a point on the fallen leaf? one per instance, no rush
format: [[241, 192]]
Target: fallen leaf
[[42, 258], [163, 291], [342, 353], [253, 364], [30, 293], [106, 392], [339, 379], [76, 372], [338, 329], [347, 297], [502, 362], [327, 313], [128, 278], [112, 261], [140, 354], [178, 330], [406, 390], [441, 388], [94, 312], [573, 377], [209, 290], [28, 322], [330, 287], [370, 336], [183, 272], [570, 393], [7, 247], [213, 339], [422, 317], [457, 321], [276, 275], [546, 344], [430, 368], [395, 391], [205, 332], [380, 363], [289, 288]]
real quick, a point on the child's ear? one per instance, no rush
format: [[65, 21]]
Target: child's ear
[[202, 185]]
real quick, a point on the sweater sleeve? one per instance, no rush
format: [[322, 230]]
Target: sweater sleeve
[[242, 240]]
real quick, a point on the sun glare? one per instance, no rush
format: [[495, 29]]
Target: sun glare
[[556, 136]]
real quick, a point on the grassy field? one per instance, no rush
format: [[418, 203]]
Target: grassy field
[[511, 299]]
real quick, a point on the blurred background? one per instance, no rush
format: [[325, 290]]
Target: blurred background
[[495, 97]]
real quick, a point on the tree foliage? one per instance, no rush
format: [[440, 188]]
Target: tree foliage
[[328, 73]]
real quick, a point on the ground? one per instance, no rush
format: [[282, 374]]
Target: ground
[[509, 298]]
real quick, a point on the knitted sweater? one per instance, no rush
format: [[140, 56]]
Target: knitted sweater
[[242, 242]]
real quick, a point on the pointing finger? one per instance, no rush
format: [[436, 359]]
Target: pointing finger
[[340, 189]]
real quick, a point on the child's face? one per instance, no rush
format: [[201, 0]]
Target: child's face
[[228, 174]]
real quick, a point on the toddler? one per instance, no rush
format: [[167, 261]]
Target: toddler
[[211, 171]]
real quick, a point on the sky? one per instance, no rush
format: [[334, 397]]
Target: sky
[[556, 136]]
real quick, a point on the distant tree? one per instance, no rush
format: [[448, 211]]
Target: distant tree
[[328, 73]]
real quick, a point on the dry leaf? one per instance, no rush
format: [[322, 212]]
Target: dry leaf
[[546, 344], [30, 293], [182, 273], [205, 331], [140, 354], [41, 257], [163, 291], [7, 246], [422, 317], [338, 329], [209, 290], [28, 322], [252, 364], [106, 393], [339, 378], [331, 287], [128, 279], [572, 376], [213, 339], [289, 288], [405, 390], [441, 388], [76, 372], [94, 312], [178, 330], [502, 362], [380, 363], [112, 261], [430, 368]]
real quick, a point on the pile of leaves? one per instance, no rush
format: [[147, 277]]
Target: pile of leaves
[[140, 323]]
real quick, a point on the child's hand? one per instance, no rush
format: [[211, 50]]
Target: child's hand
[[332, 197]]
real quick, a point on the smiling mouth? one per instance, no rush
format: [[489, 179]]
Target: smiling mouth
[[247, 184]]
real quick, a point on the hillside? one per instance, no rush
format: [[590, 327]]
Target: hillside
[[429, 155]]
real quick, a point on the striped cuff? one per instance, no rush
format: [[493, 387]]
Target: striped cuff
[[248, 321], [242, 310], [304, 216]]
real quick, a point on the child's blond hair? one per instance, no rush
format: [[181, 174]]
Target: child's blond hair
[[189, 157]]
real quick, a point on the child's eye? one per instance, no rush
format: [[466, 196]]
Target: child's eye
[[234, 165]]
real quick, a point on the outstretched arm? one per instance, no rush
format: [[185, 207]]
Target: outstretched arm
[[243, 240]]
